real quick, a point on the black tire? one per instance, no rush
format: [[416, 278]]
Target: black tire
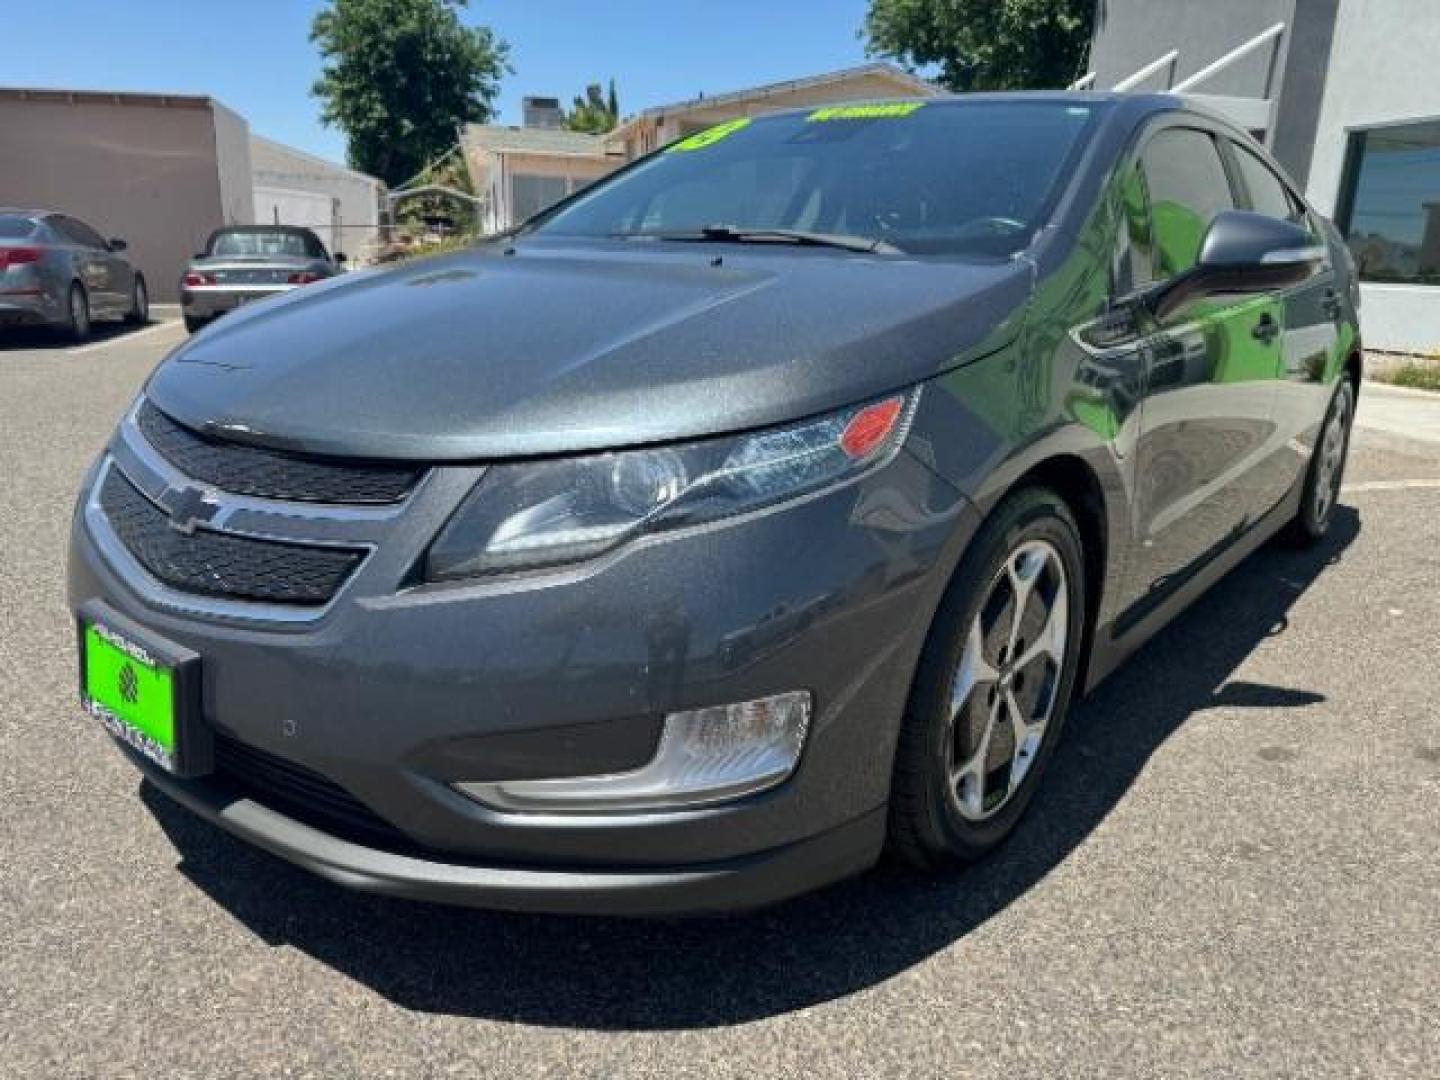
[[139, 303], [1322, 483], [193, 325], [927, 825], [77, 325]]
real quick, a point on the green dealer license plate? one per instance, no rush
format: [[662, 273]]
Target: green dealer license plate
[[144, 692]]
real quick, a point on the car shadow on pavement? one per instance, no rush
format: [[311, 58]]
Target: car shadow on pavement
[[612, 974], [18, 338]]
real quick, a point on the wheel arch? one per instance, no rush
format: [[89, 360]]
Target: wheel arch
[[1079, 486]]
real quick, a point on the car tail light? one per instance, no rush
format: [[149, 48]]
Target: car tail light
[[18, 256], [194, 277], [304, 277]]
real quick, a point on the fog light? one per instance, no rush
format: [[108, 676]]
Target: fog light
[[705, 756]]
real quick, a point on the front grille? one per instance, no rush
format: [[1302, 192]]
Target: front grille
[[270, 474], [304, 795], [222, 564]]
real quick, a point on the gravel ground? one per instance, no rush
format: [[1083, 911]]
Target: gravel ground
[[1232, 871]]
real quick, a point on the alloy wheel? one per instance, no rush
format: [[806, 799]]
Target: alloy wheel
[[79, 314], [1332, 458], [1004, 690]]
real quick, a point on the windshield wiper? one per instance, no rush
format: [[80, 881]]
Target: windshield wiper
[[732, 235]]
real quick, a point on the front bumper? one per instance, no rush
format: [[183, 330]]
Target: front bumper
[[732, 885], [395, 691]]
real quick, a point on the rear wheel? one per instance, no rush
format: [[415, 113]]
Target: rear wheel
[[76, 326], [1327, 469], [993, 686], [139, 303], [193, 324]]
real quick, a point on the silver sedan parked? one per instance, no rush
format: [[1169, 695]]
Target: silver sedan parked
[[250, 262], [57, 271]]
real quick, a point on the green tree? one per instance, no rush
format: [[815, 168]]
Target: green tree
[[596, 112], [399, 76], [985, 44]]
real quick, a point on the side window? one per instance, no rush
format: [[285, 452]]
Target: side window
[[1188, 187], [1268, 194], [80, 233], [1135, 251]]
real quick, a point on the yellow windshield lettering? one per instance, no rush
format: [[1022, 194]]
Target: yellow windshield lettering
[[883, 111], [710, 136]]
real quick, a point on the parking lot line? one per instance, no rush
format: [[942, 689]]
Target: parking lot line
[[121, 339], [1389, 485]]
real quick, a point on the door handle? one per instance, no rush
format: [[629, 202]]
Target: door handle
[[1266, 329]]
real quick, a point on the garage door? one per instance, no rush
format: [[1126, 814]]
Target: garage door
[[286, 206]]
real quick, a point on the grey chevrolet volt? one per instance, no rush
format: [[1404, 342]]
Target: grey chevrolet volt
[[761, 506]]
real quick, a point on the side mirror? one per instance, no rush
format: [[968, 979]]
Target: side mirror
[[116, 244], [1245, 252], [200, 255], [341, 257]]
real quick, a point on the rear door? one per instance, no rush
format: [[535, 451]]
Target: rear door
[[1312, 345], [1203, 459]]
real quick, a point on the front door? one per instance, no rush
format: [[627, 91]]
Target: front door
[[1207, 428]]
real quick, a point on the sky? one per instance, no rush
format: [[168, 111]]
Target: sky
[[256, 57]]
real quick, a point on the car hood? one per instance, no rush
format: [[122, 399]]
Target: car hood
[[549, 348]]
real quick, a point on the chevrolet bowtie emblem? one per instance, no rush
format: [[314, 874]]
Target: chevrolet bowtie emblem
[[190, 507]]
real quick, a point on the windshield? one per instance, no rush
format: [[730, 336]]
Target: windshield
[[927, 177], [14, 227], [253, 242]]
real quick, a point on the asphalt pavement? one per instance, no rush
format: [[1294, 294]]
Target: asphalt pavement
[[1232, 870]]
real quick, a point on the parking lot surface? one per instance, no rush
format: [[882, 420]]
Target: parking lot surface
[[1233, 868]]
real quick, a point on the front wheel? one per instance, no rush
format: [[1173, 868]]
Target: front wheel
[[993, 685], [77, 314], [1327, 469], [139, 303]]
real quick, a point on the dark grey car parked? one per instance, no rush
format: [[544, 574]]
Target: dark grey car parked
[[57, 271], [244, 263], [767, 502]]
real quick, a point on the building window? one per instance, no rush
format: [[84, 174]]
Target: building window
[[1390, 203]]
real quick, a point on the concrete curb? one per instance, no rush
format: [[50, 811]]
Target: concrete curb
[[1379, 387]]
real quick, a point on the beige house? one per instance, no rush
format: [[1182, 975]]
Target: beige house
[[655, 127], [517, 172], [520, 171]]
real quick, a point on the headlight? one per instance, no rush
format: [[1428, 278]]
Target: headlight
[[546, 512]]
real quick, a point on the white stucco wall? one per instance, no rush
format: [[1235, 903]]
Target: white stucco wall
[[282, 177], [1382, 71]]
